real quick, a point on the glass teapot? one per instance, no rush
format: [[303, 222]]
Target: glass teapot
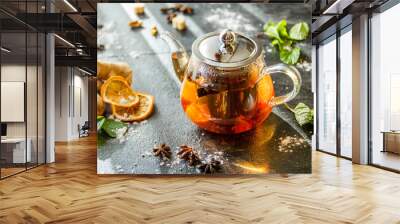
[[226, 84]]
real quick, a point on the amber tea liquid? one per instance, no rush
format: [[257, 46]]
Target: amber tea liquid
[[227, 110]]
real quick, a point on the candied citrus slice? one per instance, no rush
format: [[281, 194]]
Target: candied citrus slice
[[117, 91], [135, 113]]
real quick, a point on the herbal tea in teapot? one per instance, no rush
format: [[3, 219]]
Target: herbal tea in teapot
[[226, 85], [236, 106]]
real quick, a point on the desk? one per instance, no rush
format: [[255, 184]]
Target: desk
[[16, 147], [391, 141]]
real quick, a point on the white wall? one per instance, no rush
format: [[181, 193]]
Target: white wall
[[33, 127], [61, 104], [14, 73], [17, 73], [70, 83], [80, 84]]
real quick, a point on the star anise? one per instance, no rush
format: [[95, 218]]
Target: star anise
[[187, 153], [211, 167], [162, 151]]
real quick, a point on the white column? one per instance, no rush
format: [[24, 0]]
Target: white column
[[314, 90], [50, 100], [360, 90]]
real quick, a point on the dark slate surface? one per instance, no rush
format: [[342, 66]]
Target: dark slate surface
[[262, 150]]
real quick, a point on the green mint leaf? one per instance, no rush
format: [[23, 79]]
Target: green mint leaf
[[276, 43], [299, 31], [267, 25], [303, 114], [281, 27], [289, 56], [287, 44], [114, 128], [276, 31], [100, 122], [273, 33]]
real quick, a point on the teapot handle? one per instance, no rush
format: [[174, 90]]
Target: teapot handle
[[293, 74]]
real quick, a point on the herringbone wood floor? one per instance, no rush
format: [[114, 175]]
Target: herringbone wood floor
[[69, 191]]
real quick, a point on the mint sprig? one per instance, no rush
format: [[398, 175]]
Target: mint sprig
[[111, 127], [304, 115], [285, 42]]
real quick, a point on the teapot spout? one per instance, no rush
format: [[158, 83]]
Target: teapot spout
[[179, 56]]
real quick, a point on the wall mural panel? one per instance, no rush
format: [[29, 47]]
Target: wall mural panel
[[204, 88]]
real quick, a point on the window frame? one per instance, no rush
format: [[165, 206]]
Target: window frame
[[334, 37]]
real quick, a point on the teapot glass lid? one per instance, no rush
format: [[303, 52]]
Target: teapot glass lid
[[226, 49]]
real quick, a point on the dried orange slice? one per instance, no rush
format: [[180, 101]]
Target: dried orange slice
[[135, 113], [127, 77], [117, 91], [100, 106]]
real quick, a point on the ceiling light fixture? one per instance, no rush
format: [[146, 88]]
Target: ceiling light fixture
[[5, 50], [70, 5], [64, 40]]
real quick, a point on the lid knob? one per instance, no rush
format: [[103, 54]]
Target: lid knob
[[228, 40]]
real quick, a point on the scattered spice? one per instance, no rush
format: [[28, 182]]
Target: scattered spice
[[179, 23], [178, 6], [227, 18], [163, 151], [211, 167], [154, 31], [167, 10], [164, 10], [186, 10], [170, 16], [187, 153], [172, 13], [139, 9], [288, 143], [135, 24]]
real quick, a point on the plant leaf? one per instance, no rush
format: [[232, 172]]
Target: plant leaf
[[272, 32], [281, 27], [303, 114], [267, 25], [299, 31], [277, 31], [114, 128], [276, 43], [290, 56]]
